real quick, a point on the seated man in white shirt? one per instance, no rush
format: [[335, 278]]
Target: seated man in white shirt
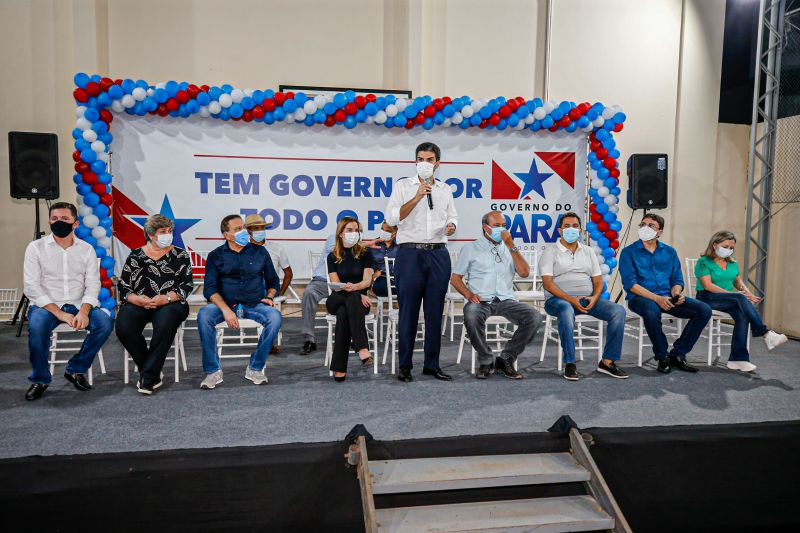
[[62, 282], [573, 283], [490, 264]]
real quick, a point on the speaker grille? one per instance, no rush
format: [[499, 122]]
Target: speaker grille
[[33, 164]]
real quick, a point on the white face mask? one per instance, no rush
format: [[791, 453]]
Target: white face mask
[[386, 236], [350, 239], [164, 239], [424, 170], [724, 253], [647, 233]]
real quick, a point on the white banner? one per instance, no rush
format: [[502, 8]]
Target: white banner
[[303, 179]]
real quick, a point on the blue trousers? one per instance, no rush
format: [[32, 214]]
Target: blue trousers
[[422, 280], [604, 310], [695, 311], [211, 315], [41, 324], [744, 316]]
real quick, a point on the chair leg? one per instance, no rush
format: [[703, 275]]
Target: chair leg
[[560, 355], [461, 346], [394, 347], [710, 340], [375, 329], [473, 354], [599, 341], [102, 361], [126, 367], [446, 315], [641, 340], [544, 337], [386, 342]]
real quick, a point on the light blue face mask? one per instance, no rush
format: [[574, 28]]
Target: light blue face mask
[[496, 233], [571, 234], [242, 237], [260, 235]]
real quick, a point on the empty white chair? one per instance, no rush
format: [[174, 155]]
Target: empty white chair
[[8, 302]]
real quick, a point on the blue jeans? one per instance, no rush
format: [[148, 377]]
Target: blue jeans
[[744, 315], [211, 315], [41, 324], [695, 311], [604, 310]]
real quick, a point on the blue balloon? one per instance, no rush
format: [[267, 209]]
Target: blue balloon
[[572, 127], [192, 107], [319, 116], [616, 225], [602, 208], [536, 125], [128, 86], [608, 252], [410, 112], [269, 117], [595, 235], [619, 118], [349, 96], [389, 123], [609, 143], [464, 124], [203, 99], [290, 106], [299, 98], [361, 116], [279, 113], [605, 295], [99, 251], [91, 115], [611, 262], [400, 121], [77, 133], [106, 222], [371, 108], [503, 124], [583, 121], [596, 164], [616, 191], [349, 122], [228, 89], [98, 167], [104, 294], [448, 111], [103, 100], [101, 211], [115, 92], [91, 240], [90, 156], [610, 217], [107, 262], [329, 108], [214, 93], [100, 127], [108, 303], [81, 80], [592, 114], [309, 120], [603, 242], [564, 107], [523, 111], [610, 182], [339, 100], [513, 120], [390, 99], [557, 114], [614, 153], [438, 119], [78, 179], [81, 145], [602, 135], [547, 122], [485, 112], [91, 199], [592, 157], [474, 120], [236, 110], [494, 106], [83, 189], [106, 138], [82, 232], [269, 93]]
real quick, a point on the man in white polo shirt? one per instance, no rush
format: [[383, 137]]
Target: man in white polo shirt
[[490, 264], [573, 283]]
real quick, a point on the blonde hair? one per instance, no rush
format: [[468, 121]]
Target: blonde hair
[[338, 249], [718, 237]]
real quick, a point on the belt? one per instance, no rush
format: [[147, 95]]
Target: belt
[[424, 245]]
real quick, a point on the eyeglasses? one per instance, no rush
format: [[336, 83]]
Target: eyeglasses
[[497, 257], [653, 227]]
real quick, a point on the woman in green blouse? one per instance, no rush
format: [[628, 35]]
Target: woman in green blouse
[[719, 284]]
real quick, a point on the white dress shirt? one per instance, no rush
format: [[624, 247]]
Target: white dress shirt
[[279, 258], [53, 275], [572, 273], [423, 224]]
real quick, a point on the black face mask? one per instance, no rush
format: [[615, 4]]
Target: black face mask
[[61, 229]]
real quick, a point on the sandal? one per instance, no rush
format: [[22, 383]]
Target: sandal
[[368, 361]]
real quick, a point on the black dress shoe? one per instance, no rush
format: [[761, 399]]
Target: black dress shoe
[[484, 371], [35, 391], [664, 366], [79, 380], [405, 376], [506, 368], [308, 347], [437, 373], [681, 364]]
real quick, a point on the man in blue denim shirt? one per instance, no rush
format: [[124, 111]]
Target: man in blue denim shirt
[[238, 273], [651, 275]]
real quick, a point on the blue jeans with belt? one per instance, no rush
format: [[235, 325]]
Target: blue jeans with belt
[[744, 316], [696, 311], [604, 310], [41, 324]]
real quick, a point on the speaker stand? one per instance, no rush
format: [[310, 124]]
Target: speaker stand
[[24, 302]]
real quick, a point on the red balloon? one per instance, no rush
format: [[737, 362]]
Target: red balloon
[[592, 208], [614, 244], [583, 108], [504, 111], [564, 122], [410, 123], [614, 172], [258, 112], [596, 218], [494, 120], [106, 116], [575, 113], [118, 81], [611, 235], [162, 110], [447, 100], [90, 178], [592, 136], [290, 95], [419, 119], [193, 90], [106, 199], [105, 83], [107, 283], [279, 98], [247, 116], [172, 104], [103, 273], [268, 105], [360, 101], [595, 146], [601, 154], [371, 97], [602, 226], [438, 104], [520, 100], [618, 127], [340, 115], [92, 88], [483, 124], [430, 112], [76, 156], [80, 95], [513, 105], [81, 167], [554, 127], [610, 163], [99, 188], [182, 97], [351, 108], [330, 121], [205, 88]]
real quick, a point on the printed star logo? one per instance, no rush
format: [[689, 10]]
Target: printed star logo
[[532, 180], [521, 185], [181, 224]]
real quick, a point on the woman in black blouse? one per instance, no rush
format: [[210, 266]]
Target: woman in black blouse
[[153, 287], [352, 264]]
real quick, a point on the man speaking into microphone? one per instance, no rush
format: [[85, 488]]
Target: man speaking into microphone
[[422, 208]]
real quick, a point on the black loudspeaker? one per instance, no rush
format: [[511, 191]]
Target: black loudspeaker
[[33, 164], [647, 181]]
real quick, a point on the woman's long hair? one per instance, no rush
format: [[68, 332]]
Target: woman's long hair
[[717, 238], [338, 250]]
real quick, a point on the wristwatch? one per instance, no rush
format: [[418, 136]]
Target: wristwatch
[[515, 249], [169, 299]]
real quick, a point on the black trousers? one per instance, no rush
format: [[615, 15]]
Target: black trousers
[[350, 326], [166, 320]]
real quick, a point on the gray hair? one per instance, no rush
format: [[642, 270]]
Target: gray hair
[[485, 219], [155, 223]]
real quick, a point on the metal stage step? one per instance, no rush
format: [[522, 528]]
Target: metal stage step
[[549, 515], [453, 473]]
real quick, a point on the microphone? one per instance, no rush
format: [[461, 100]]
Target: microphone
[[430, 201]]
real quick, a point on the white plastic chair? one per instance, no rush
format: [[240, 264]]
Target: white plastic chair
[[715, 330], [8, 302], [496, 337], [451, 300], [241, 338], [179, 354], [670, 325], [65, 338], [530, 295], [587, 328], [394, 319], [313, 260]]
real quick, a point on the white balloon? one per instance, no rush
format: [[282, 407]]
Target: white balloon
[[237, 96], [380, 117], [598, 122], [161, 85], [151, 91], [607, 113], [596, 249], [225, 100], [98, 146], [139, 94], [83, 209], [91, 221], [214, 107], [117, 107], [370, 119], [391, 110], [300, 115], [529, 119], [610, 200], [606, 277], [604, 269], [614, 209], [83, 124], [539, 113], [104, 242], [467, 111], [204, 111], [601, 259], [80, 110], [597, 183], [401, 104], [457, 118], [248, 92], [128, 101], [548, 108], [79, 203], [89, 135], [603, 191], [310, 107], [476, 105], [587, 129], [103, 156], [447, 123], [617, 108], [99, 232], [290, 118], [320, 101], [520, 125]]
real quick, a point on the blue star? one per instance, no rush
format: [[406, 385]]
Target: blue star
[[181, 224], [532, 180]]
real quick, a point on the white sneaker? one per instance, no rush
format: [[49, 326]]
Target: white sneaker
[[742, 366], [256, 376], [160, 381], [212, 380], [773, 340]]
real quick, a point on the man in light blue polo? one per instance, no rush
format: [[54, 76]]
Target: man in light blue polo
[[490, 264]]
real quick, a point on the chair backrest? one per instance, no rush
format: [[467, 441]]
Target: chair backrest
[[8, 301], [690, 278], [531, 257], [198, 260], [388, 263], [313, 260]]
